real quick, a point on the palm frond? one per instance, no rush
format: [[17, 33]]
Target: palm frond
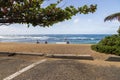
[[112, 17]]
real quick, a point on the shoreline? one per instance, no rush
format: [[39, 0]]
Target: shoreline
[[47, 43], [53, 38]]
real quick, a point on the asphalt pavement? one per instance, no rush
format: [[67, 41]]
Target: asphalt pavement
[[55, 69], [9, 65], [69, 70]]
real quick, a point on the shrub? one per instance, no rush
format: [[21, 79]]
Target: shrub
[[109, 45]]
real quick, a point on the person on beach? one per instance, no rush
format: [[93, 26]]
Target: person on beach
[[68, 42], [37, 42], [46, 42]]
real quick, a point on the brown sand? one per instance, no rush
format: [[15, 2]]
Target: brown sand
[[52, 49]]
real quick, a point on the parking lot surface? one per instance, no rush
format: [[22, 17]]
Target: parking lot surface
[[56, 69], [9, 66], [69, 70]]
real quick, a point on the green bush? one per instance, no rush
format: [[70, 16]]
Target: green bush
[[109, 45]]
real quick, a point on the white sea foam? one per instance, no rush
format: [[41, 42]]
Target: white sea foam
[[52, 38], [80, 38], [40, 38], [25, 37]]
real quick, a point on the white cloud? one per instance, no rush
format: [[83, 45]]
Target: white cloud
[[58, 24], [89, 20], [116, 21], [76, 20]]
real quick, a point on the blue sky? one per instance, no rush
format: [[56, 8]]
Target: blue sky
[[79, 24]]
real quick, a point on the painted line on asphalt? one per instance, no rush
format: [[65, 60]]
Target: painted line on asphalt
[[23, 70]]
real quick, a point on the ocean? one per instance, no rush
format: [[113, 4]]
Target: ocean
[[53, 38]]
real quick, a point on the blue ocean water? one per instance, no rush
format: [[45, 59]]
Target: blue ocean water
[[53, 38]]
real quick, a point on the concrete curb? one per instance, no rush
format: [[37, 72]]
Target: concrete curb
[[63, 56], [29, 53], [21, 53], [70, 56], [113, 58], [6, 53]]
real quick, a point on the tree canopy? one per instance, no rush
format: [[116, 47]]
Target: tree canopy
[[32, 12]]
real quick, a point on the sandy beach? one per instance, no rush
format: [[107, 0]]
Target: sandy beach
[[80, 49]]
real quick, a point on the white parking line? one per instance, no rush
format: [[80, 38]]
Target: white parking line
[[24, 69]]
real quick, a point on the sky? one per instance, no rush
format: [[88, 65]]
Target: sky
[[79, 24]]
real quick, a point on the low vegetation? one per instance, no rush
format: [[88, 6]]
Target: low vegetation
[[109, 45]]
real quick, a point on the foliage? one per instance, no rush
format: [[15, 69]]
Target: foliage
[[118, 31], [110, 45], [113, 16], [31, 12]]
